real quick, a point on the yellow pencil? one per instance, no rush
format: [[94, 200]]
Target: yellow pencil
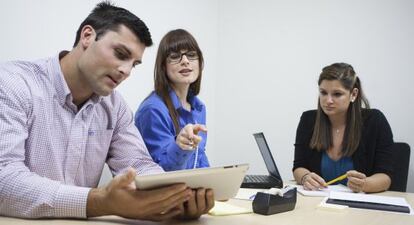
[[336, 179]]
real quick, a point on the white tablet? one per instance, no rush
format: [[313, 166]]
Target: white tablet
[[225, 181]]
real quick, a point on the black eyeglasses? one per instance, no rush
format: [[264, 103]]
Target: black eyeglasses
[[176, 57]]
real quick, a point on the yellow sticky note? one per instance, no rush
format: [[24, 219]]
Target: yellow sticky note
[[224, 209]]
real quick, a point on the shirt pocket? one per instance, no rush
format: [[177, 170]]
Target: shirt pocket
[[99, 140]]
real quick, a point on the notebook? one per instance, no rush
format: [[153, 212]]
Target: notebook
[[364, 201], [264, 181]]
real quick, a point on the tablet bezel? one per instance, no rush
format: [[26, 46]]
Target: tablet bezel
[[225, 180]]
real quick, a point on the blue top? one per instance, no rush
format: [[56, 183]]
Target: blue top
[[332, 169], [157, 129]]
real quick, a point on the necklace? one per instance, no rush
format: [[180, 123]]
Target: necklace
[[337, 132]]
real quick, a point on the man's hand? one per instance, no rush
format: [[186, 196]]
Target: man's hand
[[121, 198], [200, 203], [188, 139]]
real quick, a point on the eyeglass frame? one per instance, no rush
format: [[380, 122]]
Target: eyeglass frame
[[173, 62]]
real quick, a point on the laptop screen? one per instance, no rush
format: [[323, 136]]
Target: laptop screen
[[267, 155]]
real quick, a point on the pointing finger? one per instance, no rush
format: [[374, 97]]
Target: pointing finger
[[199, 127]]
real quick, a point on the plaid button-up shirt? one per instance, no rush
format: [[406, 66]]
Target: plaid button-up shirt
[[51, 152]]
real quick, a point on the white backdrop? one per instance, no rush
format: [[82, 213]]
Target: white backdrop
[[270, 56], [262, 59]]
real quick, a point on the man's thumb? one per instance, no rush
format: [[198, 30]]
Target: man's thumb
[[125, 179]]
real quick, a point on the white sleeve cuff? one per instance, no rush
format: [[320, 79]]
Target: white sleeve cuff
[[70, 201]]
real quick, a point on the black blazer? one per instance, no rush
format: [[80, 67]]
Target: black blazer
[[374, 153]]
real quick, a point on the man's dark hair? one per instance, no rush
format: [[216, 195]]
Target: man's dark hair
[[105, 16]]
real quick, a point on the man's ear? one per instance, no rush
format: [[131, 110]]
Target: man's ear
[[87, 36]]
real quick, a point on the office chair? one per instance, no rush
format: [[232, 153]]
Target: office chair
[[401, 163]]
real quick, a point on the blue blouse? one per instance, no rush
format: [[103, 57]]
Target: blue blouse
[[157, 129], [332, 169]]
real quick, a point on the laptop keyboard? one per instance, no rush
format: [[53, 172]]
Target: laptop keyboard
[[256, 179]]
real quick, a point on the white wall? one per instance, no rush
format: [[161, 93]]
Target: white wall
[[262, 60], [271, 53], [37, 29]]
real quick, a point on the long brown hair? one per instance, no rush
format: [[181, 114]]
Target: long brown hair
[[322, 135], [175, 41]]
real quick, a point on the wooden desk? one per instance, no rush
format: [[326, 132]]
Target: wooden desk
[[304, 213]]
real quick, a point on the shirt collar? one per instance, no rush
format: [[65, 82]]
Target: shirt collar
[[193, 100], [62, 89]]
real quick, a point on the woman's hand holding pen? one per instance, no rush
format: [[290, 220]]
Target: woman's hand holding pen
[[313, 181], [356, 180], [188, 139]]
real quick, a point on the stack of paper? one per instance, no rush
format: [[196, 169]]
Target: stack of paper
[[325, 191], [224, 209], [375, 202]]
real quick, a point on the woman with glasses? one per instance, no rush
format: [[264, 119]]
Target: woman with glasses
[[343, 136], [172, 118]]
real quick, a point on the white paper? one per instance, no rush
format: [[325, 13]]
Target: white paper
[[325, 191], [370, 198]]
